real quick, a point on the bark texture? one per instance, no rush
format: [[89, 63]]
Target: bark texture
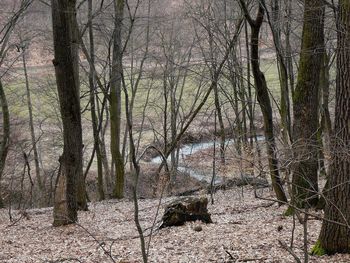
[[305, 107], [68, 191], [186, 209], [115, 99], [335, 238]]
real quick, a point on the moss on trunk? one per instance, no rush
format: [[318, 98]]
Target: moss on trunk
[[305, 107]]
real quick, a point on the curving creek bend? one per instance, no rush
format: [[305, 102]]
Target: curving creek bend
[[192, 148]]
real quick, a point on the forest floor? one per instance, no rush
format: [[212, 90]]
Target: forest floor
[[244, 229]]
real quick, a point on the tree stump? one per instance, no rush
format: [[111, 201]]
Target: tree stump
[[186, 209]]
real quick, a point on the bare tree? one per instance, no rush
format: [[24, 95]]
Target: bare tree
[[276, 24], [115, 99], [264, 99], [6, 134], [93, 98], [65, 34], [23, 47], [5, 34]]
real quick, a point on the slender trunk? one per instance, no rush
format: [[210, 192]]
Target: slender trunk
[[249, 95], [31, 125], [173, 120], [235, 106], [289, 57], [251, 102], [325, 129], [264, 101], [221, 124], [326, 123], [242, 97], [216, 96], [165, 112], [136, 174], [93, 108], [115, 99], [105, 164], [282, 72], [5, 140], [104, 121]]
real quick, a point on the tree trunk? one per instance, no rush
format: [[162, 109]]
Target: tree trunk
[[115, 99], [104, 121], [325, 129], [289, 53], [69, 190], [264, 101], [216, 95], [221, 124], [282, 72], [326, 123], [305, 107], [31, 125], [4, 143], [93, 108], [237, 126], [251, 108], [335, 238]]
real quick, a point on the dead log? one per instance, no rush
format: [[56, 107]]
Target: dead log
[[186, 209]]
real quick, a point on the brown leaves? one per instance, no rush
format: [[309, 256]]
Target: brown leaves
[[245, 227]]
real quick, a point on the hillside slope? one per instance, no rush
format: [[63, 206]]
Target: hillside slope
[[244, 228]]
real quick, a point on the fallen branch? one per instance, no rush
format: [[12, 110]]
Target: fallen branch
[[230, 255], [235, 259], [23, 214], [100, 244], [64, 260], [251, 259]]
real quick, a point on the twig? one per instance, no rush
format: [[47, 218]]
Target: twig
[[285, 246], [15, 221], [251, 259], [63, 260], [214, 164], [306, 254], [230, 255], [100, 244], [293, 231]]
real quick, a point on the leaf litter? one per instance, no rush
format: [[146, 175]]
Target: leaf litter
[[245, 229]]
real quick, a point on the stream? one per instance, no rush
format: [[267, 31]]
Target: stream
[[192, 148]]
